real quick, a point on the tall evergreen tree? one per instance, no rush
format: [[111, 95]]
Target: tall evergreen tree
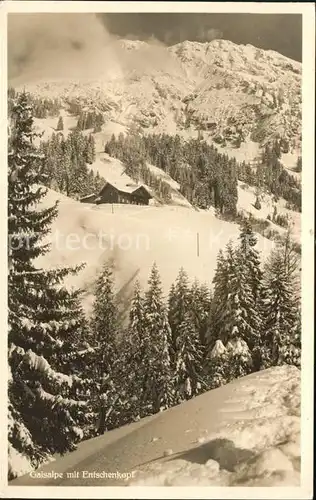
[[137, 325], [135, 345], [292, 260], [81, 121], [251, 274], [159, 384], [217, 366], [220, 294], [179, 303], [60, 124], [104, 314], [200, 305], [89, 152], [240, 319], [47, 412], [234, 314], [290, 352], [280, 329], [99, 121], [65, 170], [250, 259], [189, 361], [104, 327]]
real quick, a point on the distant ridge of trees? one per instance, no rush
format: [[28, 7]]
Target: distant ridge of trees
[[206, 177]]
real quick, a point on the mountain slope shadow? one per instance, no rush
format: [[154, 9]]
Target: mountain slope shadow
[[222, 450]]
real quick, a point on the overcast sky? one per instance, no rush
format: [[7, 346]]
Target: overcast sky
[[280, 32]]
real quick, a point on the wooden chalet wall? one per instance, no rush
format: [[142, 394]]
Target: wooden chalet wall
[[110, 194]]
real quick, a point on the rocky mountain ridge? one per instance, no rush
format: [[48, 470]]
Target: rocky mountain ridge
[[229, 93]]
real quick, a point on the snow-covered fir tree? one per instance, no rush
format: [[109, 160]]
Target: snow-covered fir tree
[[250, 260], [240, 318], [90, 149], [159, 390], [81, 121], [280, 311], [179, 303], [189, 361], [200, 305], [60, 124], [257, 204], [79, 170], [220, 294], [104, 328], [290, 353], [104, 313], [47, 389], [234, 314], [134, 346], [251, 274], [292, 260], [217, 366], [239, 359]]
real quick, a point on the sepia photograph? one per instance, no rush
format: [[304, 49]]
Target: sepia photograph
[[159, 214]]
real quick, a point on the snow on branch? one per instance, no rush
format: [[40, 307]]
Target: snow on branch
[[218, 349], [59, 400], [39, 363]]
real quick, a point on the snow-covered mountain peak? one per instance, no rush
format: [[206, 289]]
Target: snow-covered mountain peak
[[231, 56], [232, 93]]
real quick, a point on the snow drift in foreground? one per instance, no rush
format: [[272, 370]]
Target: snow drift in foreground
[[257, 443], [246, 433]]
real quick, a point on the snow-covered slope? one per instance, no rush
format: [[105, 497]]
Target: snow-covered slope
[[232, 92], [246, 433], [133, 237], [113, 171], [246, 204]]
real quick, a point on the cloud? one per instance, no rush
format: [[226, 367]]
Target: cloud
[[58, 45], [75, 46], [193, 33], [208, 34]]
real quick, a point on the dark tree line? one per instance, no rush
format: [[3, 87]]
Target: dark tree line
[[90, 120], [206, 177], [42, 107], [65, 159], [246, 297], [66, 163], [197, 339], [126, 149]]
